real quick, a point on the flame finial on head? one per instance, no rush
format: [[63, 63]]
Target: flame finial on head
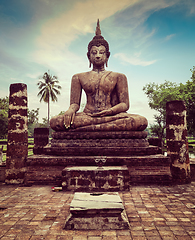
[[98, 40], [98, 31]]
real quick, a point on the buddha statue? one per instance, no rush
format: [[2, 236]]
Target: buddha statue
[[107, 97]]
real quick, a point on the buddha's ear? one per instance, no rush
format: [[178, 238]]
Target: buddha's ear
[[108, 55], [88, 56]]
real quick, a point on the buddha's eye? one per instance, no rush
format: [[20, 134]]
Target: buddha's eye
[[102, 52]]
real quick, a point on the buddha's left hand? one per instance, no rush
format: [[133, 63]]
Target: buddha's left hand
[[103, 113]]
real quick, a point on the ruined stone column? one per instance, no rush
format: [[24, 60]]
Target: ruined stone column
[[17, 145], [177, 143]]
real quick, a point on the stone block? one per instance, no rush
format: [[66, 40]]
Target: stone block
[[91, 178], [97, 211]]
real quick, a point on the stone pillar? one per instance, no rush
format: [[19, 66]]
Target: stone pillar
[[17, 145], [41, 139], [177, 143]]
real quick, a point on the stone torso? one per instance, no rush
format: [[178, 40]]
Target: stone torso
[[98, 88]]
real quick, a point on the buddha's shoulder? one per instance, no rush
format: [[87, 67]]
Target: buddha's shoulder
[[118, 75], [81, 75], [109, 73]]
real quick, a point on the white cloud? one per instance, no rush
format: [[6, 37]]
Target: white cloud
[[135, 60], [58, 33], [167, 38]]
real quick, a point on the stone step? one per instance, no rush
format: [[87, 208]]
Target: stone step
[[71, 134], [148, 160], [150, 175], [97, 151], [44, 169]]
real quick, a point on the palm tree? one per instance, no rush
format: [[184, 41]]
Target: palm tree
[[49, 88]]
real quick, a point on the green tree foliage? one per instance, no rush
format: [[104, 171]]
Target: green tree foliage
[[189, 98], [159, 94], [44, 123], [33, 117], [4, 107], [49, 88]]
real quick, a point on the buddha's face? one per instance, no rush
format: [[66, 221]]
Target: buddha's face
[[98, 56]]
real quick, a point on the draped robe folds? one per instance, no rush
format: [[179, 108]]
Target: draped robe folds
[[105, 90]]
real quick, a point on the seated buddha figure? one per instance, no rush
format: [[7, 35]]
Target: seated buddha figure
[[107, 97]]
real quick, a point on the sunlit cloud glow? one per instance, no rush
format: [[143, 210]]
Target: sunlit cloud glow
[[135, 60]]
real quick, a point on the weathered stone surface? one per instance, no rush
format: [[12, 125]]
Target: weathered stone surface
[[90, 178], [41, 137], [96, 211], [96, 203], [75, 134], [151, 160], [40, 174], [177, 143], [17, 147], [94, 151], [100, 143], [2, 173]]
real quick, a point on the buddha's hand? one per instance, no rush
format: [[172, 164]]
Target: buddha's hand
[[69, 118], [107, 112]]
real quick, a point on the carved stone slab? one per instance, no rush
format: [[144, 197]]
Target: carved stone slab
[[91, 178], [97, 211]]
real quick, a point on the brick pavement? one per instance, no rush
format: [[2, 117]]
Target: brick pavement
[[154, 212]]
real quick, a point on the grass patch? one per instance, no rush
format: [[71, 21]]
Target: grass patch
[[30, 153]]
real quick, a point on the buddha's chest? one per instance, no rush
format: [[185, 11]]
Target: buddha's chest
[[99, 83]]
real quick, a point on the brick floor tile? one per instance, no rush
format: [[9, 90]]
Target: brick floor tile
[[23, 237], [191, 233], [139, 238], [38, 237], [137, 233], [151, 233], [183, 237], [109, 238], [79, 237], [94, 233], [109, 233], [81, 233], [94, 238], [64, 238], [124, 238], [123, 233], [8, 238], [168, 237]]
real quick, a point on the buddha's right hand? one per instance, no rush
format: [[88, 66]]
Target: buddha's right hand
[[69, 118]]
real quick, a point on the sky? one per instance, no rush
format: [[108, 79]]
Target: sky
[[150, 41]]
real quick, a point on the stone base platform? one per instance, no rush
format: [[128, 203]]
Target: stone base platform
[[121, 143], [73, 149], [91, 178], [44, 169], [96, 211]]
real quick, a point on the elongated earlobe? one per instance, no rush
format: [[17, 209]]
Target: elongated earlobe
[[106, 63], [89, 64]]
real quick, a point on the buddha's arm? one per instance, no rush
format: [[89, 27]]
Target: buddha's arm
[[123, 105], [75, 98]]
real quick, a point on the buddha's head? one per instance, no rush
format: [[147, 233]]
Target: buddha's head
[[98, 41]]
